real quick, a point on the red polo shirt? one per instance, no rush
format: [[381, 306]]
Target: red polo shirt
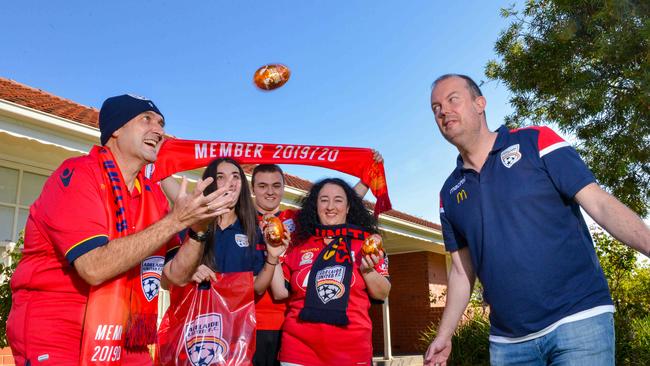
[[270, 312], [49, 298], [314, 344]]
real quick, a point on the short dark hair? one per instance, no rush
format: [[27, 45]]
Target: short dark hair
[[266, 168], [471, 84]]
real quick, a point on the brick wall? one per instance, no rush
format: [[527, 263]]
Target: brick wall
[[6, 359], [413, 276]]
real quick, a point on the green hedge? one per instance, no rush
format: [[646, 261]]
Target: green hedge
[[469, 345]]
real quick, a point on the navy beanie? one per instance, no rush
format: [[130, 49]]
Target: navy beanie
[[117, 111]]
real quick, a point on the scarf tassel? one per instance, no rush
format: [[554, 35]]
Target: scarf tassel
[[141, 332]]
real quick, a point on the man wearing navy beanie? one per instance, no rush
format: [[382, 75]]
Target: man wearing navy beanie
[[117, 111], [99, 220]]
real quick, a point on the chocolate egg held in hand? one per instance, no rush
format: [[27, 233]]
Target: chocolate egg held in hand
[[273, 231], [372, 245]]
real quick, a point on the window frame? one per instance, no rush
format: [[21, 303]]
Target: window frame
[[17, 206]]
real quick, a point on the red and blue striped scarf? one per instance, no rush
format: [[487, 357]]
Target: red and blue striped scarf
[[118, 313]]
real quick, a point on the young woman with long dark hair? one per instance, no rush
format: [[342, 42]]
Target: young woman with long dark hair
[[234, 242]]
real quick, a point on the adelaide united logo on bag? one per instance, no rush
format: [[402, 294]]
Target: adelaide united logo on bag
[[150, 273], [204, 343]]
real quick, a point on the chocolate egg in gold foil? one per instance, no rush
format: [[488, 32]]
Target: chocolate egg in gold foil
[[272, 76], [273, 231], [372, 245]]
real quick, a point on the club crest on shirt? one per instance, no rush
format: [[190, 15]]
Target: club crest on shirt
[[150, 273], [241, 240], [510, 156], [290, 225], [307, 258], [329, 283], [204, 343]]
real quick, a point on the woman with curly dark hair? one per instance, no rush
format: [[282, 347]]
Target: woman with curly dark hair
[[329, 281]]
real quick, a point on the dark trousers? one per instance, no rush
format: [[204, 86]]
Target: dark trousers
[[267, 347]]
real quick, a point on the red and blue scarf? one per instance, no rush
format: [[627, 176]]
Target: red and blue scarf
[[119, 313]]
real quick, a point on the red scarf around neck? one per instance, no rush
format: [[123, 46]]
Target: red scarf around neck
[[178, 155], [122, 312]]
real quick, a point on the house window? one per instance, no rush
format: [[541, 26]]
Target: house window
[[19, 188]]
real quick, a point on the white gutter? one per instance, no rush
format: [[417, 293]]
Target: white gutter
[[17, 135], [50, 121]]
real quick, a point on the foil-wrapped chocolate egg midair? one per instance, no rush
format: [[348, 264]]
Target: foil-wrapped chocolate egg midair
[[272, 76]]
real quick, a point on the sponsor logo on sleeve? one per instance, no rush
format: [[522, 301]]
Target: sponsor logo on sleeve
[[307, 258]]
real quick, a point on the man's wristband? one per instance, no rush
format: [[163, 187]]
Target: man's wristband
[[273, 264], [202, 237]]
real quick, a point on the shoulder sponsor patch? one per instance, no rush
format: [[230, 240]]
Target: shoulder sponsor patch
[[307, 258], [241, 240], [510, 156]]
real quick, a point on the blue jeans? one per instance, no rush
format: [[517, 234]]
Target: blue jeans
[[587, 342]]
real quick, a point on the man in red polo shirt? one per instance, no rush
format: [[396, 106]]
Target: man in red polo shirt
[[71, 245], [268, 188]]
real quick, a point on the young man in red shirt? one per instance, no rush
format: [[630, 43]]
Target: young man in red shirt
[[75, 240]]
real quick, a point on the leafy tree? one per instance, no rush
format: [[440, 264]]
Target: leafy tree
[[618, 262], [585, 67], [629, 283]]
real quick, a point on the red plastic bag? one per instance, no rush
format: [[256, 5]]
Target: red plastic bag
[[209, 324]]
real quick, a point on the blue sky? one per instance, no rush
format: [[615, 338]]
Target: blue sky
[[361, 71]]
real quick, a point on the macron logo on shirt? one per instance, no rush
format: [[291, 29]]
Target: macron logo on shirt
[[65, 176]]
